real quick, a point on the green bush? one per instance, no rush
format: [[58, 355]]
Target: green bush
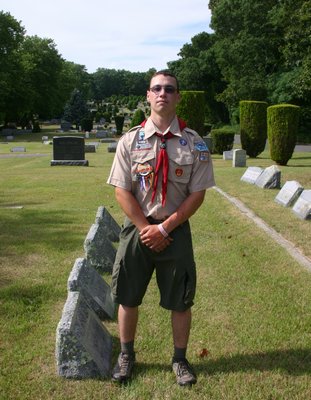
[[253, 126], [283, 123], [222, 139], [87, 124], [191, 110], [138, 117]]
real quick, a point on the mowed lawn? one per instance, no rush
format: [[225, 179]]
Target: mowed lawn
[[251, 333]]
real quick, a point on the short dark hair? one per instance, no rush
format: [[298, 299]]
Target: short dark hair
[[166, 72]]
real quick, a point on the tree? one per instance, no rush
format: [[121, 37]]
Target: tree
[[138, 117], [76, 109], [11, 38], [42, 66]]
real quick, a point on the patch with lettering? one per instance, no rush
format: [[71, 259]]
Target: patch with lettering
[[143, 145], [179, 172], [200, 146], [145, 176]]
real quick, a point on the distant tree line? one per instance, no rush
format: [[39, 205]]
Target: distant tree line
[[259, 50]]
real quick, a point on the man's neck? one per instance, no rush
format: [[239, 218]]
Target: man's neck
[[162, 122]]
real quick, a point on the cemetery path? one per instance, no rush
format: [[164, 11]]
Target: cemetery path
[[286, 244], [23, 155]]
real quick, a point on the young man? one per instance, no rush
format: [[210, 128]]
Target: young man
[[160, 172]]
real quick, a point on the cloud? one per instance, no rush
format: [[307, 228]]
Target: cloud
[[132, 35]]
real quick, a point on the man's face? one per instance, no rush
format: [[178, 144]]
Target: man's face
[[163, 95]]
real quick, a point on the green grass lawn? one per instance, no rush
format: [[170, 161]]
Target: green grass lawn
[[252, 309]]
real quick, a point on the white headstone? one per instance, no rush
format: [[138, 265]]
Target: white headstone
[[270, 178], [227, 155], [251, 174], [18, 149], [83, 344], [239, 158], [302, 207], [289, 193]]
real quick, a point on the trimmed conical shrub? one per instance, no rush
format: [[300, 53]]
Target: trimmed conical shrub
[[253, 126], [283, 123], [191, 110]]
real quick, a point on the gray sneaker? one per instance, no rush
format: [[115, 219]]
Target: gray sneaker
[[184, 373], [123, 369]]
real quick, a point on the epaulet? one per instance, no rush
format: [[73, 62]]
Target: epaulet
[[134, 128], [189, 130]]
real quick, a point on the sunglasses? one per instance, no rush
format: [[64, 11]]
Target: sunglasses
[[167, 89]]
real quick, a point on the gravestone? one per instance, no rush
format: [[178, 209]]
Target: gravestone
[[108, 224], [107, 140], [101, 134], [44, 138], [18, 149], [96, 292], [10, 138], [83, 344], [289, 193], [227, 155], [270, 178], [112, 147], [251, 174], [302, 207], [89, 148], [99, 251], [239, 158], [65, 126], [69, 150]]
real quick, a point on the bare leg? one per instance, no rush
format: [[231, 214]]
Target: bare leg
[[127, 318], [181, 324]]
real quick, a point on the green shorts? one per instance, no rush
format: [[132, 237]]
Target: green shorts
[[175, 269]]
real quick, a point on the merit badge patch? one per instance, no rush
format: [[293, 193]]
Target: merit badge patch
[[178, 172], [203, 156], [183, 142]]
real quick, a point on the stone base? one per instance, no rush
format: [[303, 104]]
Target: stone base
[[83, 163]]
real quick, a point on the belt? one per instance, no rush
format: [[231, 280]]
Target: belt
[[154, 221]]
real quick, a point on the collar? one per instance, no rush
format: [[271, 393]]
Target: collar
[[176, 127]]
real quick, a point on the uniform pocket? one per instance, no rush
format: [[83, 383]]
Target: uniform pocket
[[180, 167]]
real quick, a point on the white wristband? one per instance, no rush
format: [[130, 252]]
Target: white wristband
[[163, 231]]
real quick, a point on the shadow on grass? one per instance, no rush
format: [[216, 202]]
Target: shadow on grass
[[292, 362]]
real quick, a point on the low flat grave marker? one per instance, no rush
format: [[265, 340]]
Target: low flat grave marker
[[289, 193], [251, 175], [270, 178], [18, 149], [227, 155], [83, 344], [302, 207]]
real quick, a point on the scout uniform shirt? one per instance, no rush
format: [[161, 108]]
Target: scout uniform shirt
[[190, 166]]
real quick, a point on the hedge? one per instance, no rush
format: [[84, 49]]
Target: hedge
[[191, 109]]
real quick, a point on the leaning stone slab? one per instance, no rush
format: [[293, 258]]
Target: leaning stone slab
[[302, 207], [270, 178], [99, 250], [95, 290], [107, 222], [289, 193], [239, 158], [251, 174], [83, 344]]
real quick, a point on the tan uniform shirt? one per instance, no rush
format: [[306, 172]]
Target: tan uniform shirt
[[190, 167]]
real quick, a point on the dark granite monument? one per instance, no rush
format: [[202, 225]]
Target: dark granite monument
[[69, 150]]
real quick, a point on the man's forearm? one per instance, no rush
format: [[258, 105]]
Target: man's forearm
[[188, 207]]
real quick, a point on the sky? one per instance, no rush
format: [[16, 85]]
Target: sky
[[134, 35]]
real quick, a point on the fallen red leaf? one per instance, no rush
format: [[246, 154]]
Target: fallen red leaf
[[203, 353]]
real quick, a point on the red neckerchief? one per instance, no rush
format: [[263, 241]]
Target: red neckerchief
[[162, 161]]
